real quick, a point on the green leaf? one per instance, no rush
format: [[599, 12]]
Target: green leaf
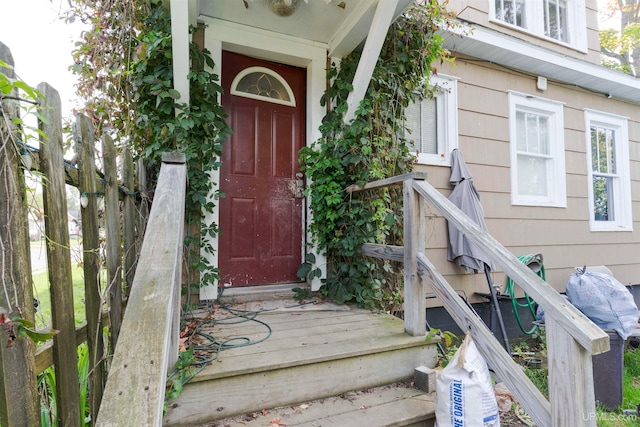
[[303, 270], [6, 85], [42, 335], [31, 92]]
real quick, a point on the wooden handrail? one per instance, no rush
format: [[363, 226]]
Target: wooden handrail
[[148, 341], [571, 337], [590, 336], [399, 179]]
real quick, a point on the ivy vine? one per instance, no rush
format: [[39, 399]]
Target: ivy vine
[[196, 129], [125, 68], [371, 147]]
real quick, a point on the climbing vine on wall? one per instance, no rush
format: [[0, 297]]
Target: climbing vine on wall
[[125, 69], [370, 147]]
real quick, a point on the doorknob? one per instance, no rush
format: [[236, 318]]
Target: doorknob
[[299, 191]]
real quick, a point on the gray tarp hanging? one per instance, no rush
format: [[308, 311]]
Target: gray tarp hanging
[[464, 195]]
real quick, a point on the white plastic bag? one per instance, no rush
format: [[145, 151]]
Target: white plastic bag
[[604, 300], [464, 391]]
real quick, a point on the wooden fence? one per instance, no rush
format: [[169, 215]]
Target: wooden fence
[[124, 208], [571, 337]]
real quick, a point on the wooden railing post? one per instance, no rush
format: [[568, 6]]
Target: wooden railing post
[[415, 315], [91, 258], [65, 352], [571, 392], [18, 391]]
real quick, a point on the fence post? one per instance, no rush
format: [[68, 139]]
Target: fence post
[[19, 405], [129, 226], [114, 255], [144, 202], [91, 258], [415, 316], [65, 352]]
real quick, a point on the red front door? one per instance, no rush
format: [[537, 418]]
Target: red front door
[[261, 214]]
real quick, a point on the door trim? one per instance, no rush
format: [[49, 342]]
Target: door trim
[[245, 40]]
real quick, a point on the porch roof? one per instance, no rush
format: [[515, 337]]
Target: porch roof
[[512, 52], [341, 25]]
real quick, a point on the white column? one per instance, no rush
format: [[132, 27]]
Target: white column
[[373, 46], [180, 47]]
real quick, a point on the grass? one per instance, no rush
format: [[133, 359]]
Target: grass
[[630, 392], [632, 376], [47, 390], [46, 380], [43, 295], [41, 291]]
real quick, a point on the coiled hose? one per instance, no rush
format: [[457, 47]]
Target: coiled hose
[[533, 261]]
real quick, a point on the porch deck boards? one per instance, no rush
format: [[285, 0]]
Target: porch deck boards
[[392, 405], [305, 337], [310, 354]]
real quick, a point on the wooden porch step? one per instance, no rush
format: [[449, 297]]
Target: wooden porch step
[[308, 355], [393, 405]]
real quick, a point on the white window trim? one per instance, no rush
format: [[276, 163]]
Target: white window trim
[[622, 191], [557, 177], [535, 22], [447, 122]]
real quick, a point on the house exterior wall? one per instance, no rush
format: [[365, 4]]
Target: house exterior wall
[[477, 12], [561, 234]]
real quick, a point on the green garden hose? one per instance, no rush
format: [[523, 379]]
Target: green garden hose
[[528, 260]]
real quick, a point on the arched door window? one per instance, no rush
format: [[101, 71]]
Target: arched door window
[[263, 84]]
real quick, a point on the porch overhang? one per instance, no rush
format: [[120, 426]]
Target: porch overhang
[[340, 26], [505, 50]]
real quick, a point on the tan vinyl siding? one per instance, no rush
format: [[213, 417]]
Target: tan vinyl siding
[[562, 235], [477, 12], [593, 36]]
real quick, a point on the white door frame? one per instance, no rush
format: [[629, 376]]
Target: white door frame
[[222, 35]]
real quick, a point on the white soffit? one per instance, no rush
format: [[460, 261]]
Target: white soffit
[[339, 24], [509, 51]]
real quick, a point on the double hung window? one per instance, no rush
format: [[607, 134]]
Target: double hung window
[[608, 170], [432, 123], [537, 151], [563, 21]]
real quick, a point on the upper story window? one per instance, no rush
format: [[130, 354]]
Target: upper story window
[[511, 11], [536, 130], [556, 21], [432, 123], [608, 170], [561, 20]]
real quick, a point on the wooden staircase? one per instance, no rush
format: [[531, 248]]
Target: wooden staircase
[[310, 352]]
